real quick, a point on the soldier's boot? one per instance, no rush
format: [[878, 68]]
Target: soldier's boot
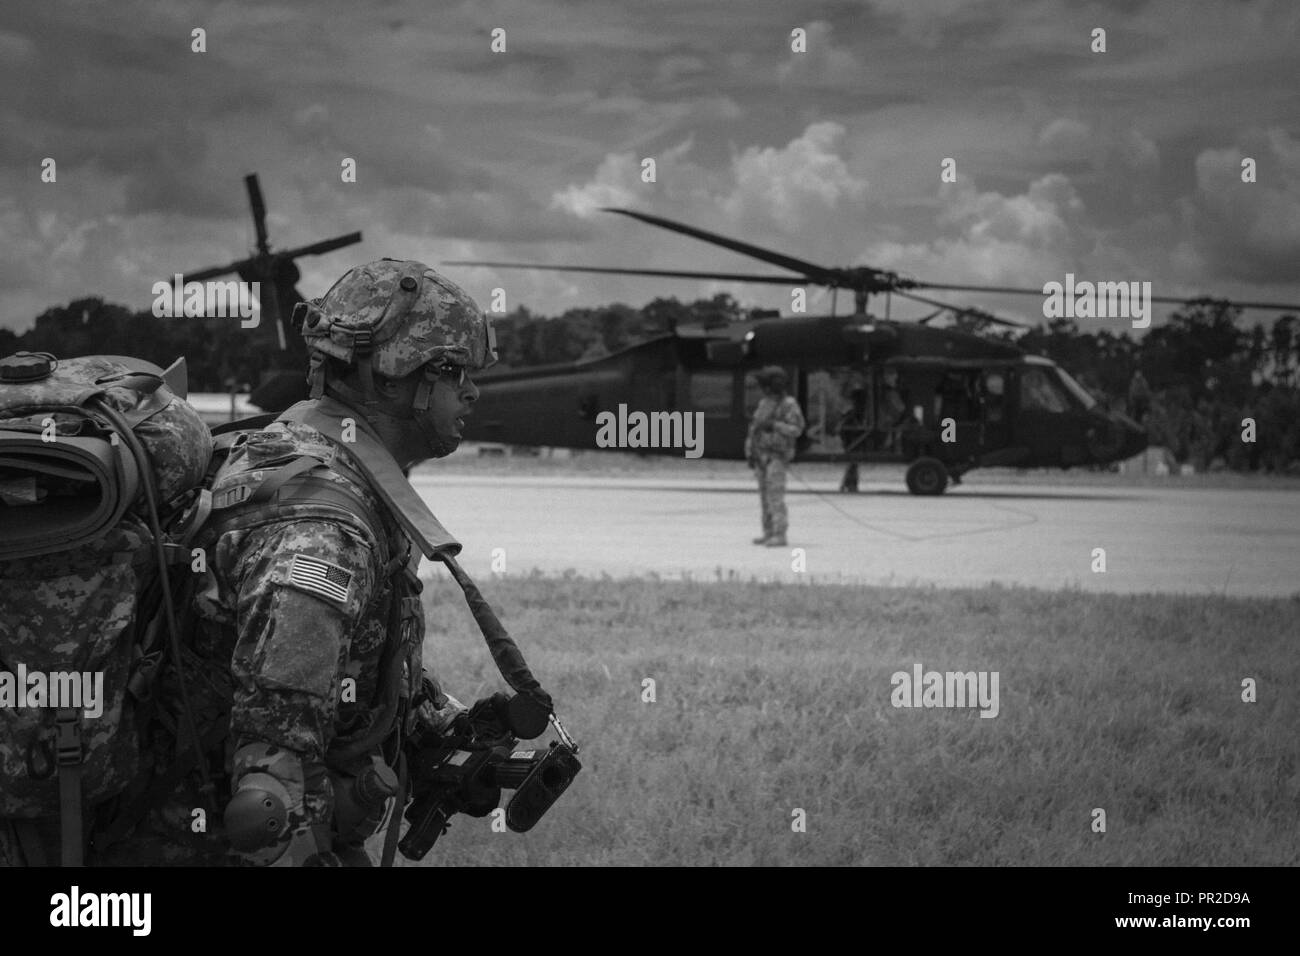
[[763, 540], [776, 541]]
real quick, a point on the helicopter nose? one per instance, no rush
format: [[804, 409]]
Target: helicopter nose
[[1135, 436]]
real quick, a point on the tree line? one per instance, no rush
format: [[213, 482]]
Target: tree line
[[1191, 381]]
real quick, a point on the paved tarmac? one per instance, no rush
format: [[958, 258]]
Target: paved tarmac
[[1199, 541]]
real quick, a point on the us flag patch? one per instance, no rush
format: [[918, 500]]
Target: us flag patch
[[320, 577]]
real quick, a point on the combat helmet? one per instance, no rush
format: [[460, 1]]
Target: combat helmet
[[391, 317], [773, 376]]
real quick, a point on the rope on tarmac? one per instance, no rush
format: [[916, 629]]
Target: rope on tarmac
[[852, 517], [1028, 518]]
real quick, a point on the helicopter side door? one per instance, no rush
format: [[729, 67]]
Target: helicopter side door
[[958, 414], [718, 395]]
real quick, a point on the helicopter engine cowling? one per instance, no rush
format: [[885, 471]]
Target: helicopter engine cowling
[[828, 341]]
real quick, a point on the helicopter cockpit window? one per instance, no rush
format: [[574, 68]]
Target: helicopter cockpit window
[[1040, 392], [711, 393], [1078, 391]]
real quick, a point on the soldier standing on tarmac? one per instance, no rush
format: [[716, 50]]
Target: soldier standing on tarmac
[[776, 425]]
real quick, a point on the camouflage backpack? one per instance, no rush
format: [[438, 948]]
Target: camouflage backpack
[[101, 467]]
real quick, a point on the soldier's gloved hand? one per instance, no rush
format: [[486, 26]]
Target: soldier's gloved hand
[[489, 717], [435, 710]]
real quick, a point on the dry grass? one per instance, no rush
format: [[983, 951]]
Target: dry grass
[[772, 697]]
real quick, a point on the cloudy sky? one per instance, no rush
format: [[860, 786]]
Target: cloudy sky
[[1117, 165]]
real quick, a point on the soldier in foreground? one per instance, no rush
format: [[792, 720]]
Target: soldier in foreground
[[775, 427], [310, 628]]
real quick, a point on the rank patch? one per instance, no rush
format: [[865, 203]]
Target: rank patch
[[320, 577]]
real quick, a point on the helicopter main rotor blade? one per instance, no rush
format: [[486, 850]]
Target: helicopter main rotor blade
[[325, 245], [203, 274], [259, 210], [1283, 306], [999, 289], [1167, 299], [661, 273], [943, 306], [811, 270]]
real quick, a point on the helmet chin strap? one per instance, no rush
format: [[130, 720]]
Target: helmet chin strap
[[373, 412], [419, 411], [435, 441]]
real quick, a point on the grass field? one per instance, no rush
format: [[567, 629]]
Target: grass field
[[771, 698]]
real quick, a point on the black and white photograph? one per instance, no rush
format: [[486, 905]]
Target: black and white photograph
[[678, 434]]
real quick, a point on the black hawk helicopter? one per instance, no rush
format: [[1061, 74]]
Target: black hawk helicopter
[[284, 383], [942, 401]]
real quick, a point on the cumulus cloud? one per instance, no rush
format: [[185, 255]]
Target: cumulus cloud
[[800, 197], [1249, 231], [796, 196], [987, 238], [1040, 216], [613, 185], [795, 183], [779, 190], [1109, 145]]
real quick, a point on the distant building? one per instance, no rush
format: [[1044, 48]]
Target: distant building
[[217, 408], [1156, 460]]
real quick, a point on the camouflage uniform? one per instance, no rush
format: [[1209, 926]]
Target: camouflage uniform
[[776, 425], [295, 599], [309, 619]]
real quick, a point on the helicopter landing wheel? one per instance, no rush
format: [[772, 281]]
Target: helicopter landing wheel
[[849, 484], [927, 476]]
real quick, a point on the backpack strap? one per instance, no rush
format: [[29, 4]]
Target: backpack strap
[[70, 761], [263, 490], [273, 482]]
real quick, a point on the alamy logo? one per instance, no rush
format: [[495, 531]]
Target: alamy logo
[[79, 690], [214, 300], [948, 689], [654, 430], [1099, 300], [75, 908]]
